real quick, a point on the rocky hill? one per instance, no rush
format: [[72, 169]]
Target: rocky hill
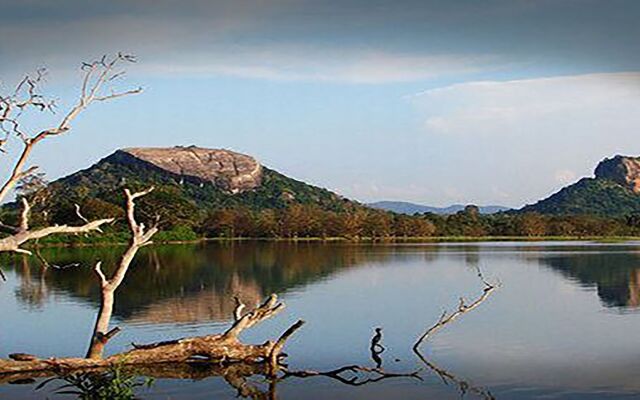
[[613, 192], [189, 181], [228, 170]]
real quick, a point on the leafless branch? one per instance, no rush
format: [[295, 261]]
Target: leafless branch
[[79, 214], [115, 95], [13, 243], [9, 228], [24, 216], [26, 96], [98, 271], [445, 319], [264, 311], [463, 307], [139, 237]]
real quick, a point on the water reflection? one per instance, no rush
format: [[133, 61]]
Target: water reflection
[[196, 283], [615, 275], [33, 290], [188, 283], [542, 335]]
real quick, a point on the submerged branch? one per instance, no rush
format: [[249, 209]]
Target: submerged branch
[[445, 319]]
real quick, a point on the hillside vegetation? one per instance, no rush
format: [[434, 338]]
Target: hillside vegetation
[[272, 205]]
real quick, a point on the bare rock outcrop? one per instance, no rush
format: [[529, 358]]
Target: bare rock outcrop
[[231, 171], [622, 170]]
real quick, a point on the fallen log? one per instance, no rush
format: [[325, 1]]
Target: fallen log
[[224, 348]]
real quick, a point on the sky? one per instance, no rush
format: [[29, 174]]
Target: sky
[[434, 102]]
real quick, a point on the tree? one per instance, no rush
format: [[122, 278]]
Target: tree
[[267, 224], [220, 223], [26, 99], [532, 224], [140, 236]]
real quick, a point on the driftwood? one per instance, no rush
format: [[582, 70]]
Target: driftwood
[[224, 355], [222, 348]]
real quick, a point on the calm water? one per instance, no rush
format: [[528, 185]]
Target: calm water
[[565, 323]]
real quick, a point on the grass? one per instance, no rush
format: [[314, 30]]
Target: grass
[[169, 237]]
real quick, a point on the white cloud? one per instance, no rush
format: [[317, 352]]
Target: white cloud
[[532, 136], [558, 105], [308, 63]]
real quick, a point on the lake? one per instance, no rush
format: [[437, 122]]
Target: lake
[[563, 324]]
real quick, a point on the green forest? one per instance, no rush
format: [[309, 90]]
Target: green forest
[[183, 222], [284, 208]]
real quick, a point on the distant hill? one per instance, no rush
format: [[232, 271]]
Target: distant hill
[[614, 192], [403, 207]]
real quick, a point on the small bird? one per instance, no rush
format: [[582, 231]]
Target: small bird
[[376, 348], [375, 341]]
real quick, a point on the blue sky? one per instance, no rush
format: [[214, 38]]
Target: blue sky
[[436, 102]]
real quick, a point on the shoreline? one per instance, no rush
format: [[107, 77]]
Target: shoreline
[[427, 239]]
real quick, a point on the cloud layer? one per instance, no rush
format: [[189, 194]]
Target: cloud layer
[[530, 93], [534, 135], [580, 103], [353, 41]]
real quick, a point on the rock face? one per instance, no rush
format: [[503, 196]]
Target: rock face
[[231, 171], [622, 170]]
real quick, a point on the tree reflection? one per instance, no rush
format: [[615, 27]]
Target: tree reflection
[[616, 276], [235, 269], [190, 283]]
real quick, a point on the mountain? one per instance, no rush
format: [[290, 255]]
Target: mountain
[[188, 181], [403, 207], [613, 192]]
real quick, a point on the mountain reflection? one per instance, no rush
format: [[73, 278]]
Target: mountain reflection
[[189, 283], [195, 283], [616, 276]]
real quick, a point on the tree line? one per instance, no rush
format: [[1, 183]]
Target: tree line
[[301, 221], [183, 220]]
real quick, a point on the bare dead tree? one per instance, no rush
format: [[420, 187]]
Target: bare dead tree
[[140, 236], [27, 98], [223, 354], [463, 308], [445, 319]]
